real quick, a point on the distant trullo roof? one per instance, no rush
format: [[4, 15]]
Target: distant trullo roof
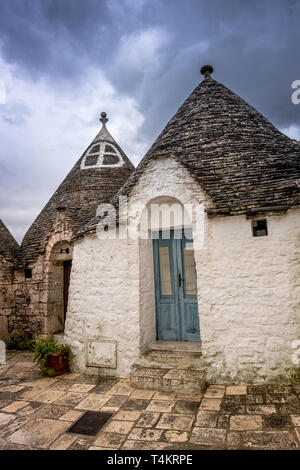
[[96, 178], [240, 159], [8, 245]]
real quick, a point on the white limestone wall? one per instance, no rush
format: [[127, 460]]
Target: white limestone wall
[[111, 295], [147, 309], [103, 302], [163, 178], [248, 288], [249, 294]]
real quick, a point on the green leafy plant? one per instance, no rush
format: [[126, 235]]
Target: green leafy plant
[[47, 371], [25, 345], [43, 348], [47, 347]]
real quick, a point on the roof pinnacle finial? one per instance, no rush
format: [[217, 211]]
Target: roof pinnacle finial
[[206, 70], [103, 118]]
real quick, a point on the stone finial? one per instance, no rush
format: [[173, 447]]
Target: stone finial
[[206, 70], [103, 118]]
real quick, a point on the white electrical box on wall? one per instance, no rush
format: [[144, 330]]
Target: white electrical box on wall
[[102, 353]]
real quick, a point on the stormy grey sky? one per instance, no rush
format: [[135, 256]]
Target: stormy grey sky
[[65, 61]]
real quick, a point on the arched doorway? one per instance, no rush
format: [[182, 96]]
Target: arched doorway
[[166, 230], [60, 263]]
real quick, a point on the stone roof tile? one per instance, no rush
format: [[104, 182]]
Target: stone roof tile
[[8, 245], [95, 178], [238, 157]]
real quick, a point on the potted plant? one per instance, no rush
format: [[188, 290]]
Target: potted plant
[[54, 358]]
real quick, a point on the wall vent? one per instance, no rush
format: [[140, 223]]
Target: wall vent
[[260, 228]]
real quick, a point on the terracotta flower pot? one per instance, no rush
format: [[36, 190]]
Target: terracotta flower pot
[[58, 362]]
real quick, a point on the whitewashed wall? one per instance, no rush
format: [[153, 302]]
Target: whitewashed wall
[[163, 178], [103, 302], [249, 293], [248, 288], [111, 296]]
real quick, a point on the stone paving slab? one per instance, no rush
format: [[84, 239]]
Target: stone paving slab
[[36, 413], [39, 432]]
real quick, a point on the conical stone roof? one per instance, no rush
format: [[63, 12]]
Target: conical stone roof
[[240, 159], [8, 245], [95, 178]]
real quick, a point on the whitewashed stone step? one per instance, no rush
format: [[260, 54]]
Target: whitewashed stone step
[[173, 355], [186, 346], [172, 360], [168, 380]]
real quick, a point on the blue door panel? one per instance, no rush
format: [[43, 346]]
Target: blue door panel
[[176, 309], [168, 322], [192, 330]]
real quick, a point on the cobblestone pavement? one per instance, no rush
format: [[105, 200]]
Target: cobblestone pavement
[[36, 413]]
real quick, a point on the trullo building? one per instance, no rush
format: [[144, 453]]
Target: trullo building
[[34, 289], [196, 265], [191, 264]]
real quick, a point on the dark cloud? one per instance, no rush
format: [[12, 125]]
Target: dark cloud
[[253, 47], [148, 51]]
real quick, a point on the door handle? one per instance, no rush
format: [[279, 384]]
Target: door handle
[[180, 280]]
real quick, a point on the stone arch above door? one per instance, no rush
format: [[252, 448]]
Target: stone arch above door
[[164, 213]]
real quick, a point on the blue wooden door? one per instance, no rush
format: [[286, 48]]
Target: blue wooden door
[[175, 287]]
